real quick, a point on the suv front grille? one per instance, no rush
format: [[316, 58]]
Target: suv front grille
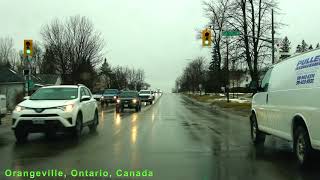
[[39, 115]]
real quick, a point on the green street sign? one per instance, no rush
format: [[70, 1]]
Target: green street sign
[[231, 33]]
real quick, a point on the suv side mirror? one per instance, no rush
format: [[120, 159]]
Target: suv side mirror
[[85, 98]]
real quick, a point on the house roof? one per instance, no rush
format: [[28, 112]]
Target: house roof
[[8, 75]]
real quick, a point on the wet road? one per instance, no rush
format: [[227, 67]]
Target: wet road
[[174, 138]]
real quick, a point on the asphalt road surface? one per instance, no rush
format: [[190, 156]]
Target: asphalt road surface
[[172, 139]]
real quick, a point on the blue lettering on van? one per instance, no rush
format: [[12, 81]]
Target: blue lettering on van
[[309, 62], [305, 79]]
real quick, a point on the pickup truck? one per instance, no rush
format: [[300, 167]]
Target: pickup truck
[[3, 106], [146, 96]]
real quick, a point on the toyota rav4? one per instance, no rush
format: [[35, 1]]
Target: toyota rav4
[[54, 109]]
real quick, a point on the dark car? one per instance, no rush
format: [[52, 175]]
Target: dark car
[[128, 100], [109, 96]]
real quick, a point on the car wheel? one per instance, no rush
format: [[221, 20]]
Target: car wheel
[[302, 146], [151, 102], [93, 126], [257, 136], [21, 134], [78, 127], [137, 108]]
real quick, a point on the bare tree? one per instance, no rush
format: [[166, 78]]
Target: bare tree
[[7, 52], [37, 58], [217, 12], [252, 18], [73, 45], [193, 75]]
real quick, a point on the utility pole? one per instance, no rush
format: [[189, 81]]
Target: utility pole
[[227, 68], [272, 36]]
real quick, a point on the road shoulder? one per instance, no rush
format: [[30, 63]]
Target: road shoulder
[[229, 111]]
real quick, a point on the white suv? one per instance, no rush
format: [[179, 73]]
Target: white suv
[[56, 108]]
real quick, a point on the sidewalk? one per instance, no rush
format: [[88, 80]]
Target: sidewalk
[[6, 120]]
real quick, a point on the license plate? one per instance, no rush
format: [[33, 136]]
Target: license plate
[[126, 105], [38, 121]]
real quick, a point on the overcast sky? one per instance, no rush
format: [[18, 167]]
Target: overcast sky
[[156, 35]]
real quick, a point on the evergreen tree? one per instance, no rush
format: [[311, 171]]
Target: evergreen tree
[[106, 72], [310, 47], [298, 50], [304, 46], [285, 45], [285, 48], [213, 83]]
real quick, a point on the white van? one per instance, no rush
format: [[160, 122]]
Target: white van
[[3, 106], [288, 104]]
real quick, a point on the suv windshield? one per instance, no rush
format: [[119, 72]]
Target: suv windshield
[[55, 94], [128, 94], [145, 92], [110, 91]]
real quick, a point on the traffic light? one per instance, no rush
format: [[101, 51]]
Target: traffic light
[[206, 37], [28, 50]]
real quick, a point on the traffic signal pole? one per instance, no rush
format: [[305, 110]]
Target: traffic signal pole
[[227, 68], [27, 75], [28, 52]]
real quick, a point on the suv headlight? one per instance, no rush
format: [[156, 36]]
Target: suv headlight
[[114, 97], [118, 100], [19, 108], [66, 108], [134, 100]]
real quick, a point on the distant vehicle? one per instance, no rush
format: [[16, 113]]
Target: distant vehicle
[[109, 96], [97, 96], [287, 104], [54, 109], [128, 100], [3, 106], [146, 96]]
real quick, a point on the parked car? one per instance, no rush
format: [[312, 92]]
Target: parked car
[[128, 100], [109, 96], [54, 109], [97, 95], [3, 106], [287, 104], [146, 96]]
